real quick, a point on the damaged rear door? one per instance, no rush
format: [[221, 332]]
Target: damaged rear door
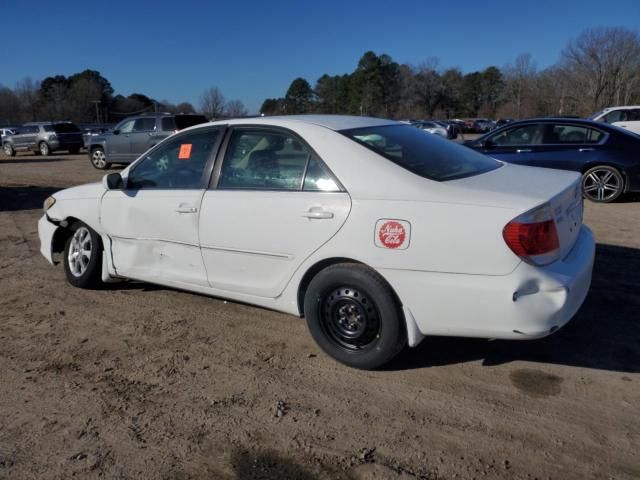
[[153, 221]]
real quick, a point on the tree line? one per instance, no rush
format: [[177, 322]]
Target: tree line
[[599, 68], [88, 97]]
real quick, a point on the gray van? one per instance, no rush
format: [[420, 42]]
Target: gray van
[[135, 135]]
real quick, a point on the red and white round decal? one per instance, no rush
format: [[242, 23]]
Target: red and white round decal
[[391, 233]]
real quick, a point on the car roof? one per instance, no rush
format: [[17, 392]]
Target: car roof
[[332, 122], [582, 121], [621, 107]]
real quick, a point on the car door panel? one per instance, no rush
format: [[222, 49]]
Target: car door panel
[[153, 223], [253, 241], [153, 235]]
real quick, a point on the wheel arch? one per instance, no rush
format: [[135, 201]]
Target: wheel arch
[[320, 265]]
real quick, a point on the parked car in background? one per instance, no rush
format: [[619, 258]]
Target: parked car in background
[[431, 127], [376, 232], [451, 128], [134, 135], [44, 138], [482, 125], [606, 156], [502, 121], [623, 117]]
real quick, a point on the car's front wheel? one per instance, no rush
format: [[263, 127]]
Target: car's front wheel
[[354, 317], [602, 184], [99, 159], [83, 257], [8, 150], [44, 149]]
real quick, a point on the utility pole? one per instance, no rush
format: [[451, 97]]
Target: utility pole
[[97, 102]]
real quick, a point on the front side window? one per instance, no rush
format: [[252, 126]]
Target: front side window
[[271, 160], [422, 153], [144, 124], [524, 135], [177, 163], [126, 126]]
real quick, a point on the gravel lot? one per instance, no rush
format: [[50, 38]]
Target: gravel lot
[[138, 381]]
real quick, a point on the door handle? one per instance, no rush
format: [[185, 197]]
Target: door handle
[[586, 149], [186, 209], [316, 213], [523, 150]]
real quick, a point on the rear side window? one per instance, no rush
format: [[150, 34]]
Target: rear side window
[[422, 153], [144, 124], [185, 121], [65, 128], [168, 125], [272, 160], [567, 134]]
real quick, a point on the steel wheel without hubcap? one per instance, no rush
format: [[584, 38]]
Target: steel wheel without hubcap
[[99, 159], [350, 319], [602, 184], [80, 251]]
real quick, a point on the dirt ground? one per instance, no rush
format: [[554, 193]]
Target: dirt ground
[[137, 381]]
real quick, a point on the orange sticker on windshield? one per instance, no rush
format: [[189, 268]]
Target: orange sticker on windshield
[[185, 151]]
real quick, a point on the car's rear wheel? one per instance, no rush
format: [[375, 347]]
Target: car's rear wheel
[[354, 317], [602, 184], [8, 150], [99, 159], [83, 257], [43, 148]]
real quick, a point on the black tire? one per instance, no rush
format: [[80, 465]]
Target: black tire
[[99, 159], [602, 184], [8, 150], [43, 148], [87, 273], [353, 315], [74, 151]]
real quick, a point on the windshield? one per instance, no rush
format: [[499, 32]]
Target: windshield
[[422, 153]]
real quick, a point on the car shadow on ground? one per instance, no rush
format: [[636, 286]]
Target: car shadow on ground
[[13, 199], [11, 160], [604, 334]]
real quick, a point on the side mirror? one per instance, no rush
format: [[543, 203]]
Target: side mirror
[[116, 132], [113, 181]]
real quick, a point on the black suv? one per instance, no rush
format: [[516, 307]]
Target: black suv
[[135, 135], [44, 138]]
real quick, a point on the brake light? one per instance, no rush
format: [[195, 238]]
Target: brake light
[[533, 236]]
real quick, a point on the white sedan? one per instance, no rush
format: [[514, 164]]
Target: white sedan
[[377, 232]]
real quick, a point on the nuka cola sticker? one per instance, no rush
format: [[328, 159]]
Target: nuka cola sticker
[[392, 233]]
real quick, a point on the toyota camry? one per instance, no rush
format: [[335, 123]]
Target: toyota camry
[[377, 233]]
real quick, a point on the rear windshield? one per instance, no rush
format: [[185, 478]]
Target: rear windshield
[[66, 128], [422, 153], [184, 121]]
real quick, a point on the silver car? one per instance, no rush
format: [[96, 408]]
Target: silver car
[[43, 138]]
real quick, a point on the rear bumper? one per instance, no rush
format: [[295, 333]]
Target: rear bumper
[[531, 302], [46, 230]]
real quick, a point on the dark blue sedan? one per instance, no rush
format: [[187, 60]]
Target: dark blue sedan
[[607, 156]]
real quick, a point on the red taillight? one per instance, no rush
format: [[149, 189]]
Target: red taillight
[[533, 236]]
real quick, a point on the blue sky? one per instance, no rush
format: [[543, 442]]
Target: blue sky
[[253, 49]]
